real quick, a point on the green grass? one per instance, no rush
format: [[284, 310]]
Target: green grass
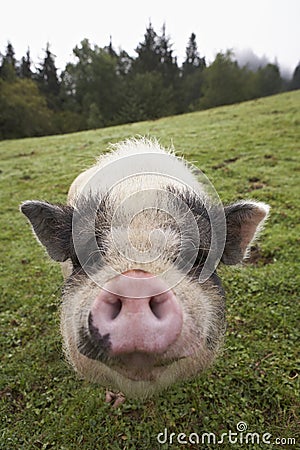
[[250, 150]]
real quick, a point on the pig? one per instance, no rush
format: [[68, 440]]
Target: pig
[[140, 239]]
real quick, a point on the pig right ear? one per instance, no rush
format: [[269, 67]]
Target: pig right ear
[[52, 225], [244, 221]]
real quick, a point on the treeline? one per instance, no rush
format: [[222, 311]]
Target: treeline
[[108, 87]]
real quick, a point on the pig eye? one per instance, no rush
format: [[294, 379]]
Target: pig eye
[[186, 257], [89, 257]]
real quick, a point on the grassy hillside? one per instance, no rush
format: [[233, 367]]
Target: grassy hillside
[[249, 150]]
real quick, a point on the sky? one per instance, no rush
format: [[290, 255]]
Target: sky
[[270, 28]]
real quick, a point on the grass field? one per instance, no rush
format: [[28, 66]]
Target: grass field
[[250, 150]]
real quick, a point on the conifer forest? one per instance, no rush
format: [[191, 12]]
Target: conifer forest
[[105, 86]]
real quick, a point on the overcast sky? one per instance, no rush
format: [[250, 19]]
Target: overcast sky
[[270, 28]]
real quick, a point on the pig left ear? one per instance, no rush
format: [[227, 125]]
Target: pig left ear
[[52, 225], [244, 221]]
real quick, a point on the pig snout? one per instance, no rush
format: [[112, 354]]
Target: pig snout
[[138, 312]]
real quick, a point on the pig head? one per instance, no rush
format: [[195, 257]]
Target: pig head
[[140, 240]]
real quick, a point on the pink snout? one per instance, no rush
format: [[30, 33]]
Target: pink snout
[[139, 312]]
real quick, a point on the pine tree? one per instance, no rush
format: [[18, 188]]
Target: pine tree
[[48, 79], [8, 66], [148, 59], [268, 80], [192, 59], [109, 49], [25, 67], [168, 64], [295, 83], [191, 82], [164, 47], [124, 64]]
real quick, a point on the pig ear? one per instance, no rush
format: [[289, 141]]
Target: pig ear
[[244, 220], [52, 225]]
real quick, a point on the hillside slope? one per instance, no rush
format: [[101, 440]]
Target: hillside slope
[[250, 150]]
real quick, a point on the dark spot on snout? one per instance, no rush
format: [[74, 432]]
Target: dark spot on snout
[[92, 344]]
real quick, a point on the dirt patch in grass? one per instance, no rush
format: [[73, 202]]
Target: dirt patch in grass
[[256, 257], [225, 162], [256, 183]]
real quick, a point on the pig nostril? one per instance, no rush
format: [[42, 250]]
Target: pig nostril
[[115, 309], [155, 307]]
